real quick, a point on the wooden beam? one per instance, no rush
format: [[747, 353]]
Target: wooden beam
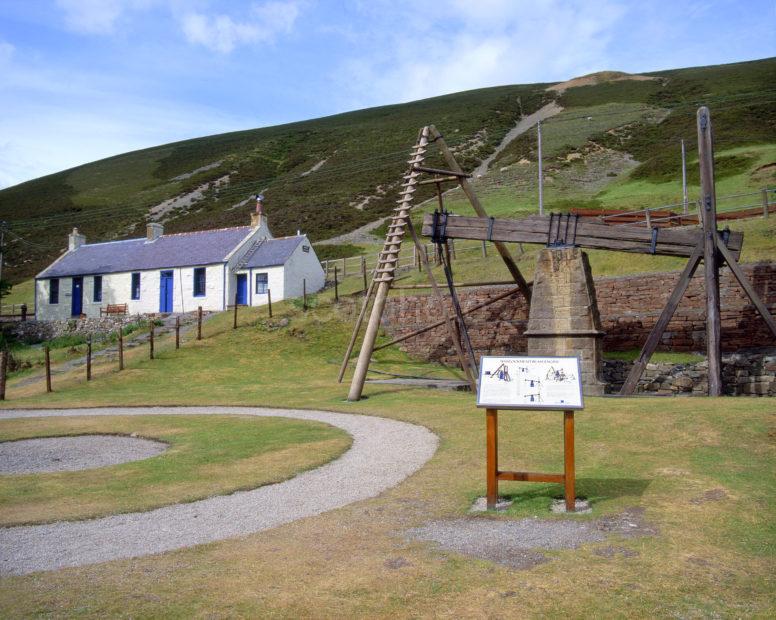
[[710, 263], [748, 288], [529, 476], [408, 287], [590, 233], [660, 326], [480, 211], [449, 173], [356, 329]]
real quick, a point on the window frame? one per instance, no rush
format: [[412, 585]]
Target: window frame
[[97, 290], [194, 287], [134, 287], [53, 295], [257, 289]]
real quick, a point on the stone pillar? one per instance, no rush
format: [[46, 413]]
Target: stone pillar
[[564, 319]]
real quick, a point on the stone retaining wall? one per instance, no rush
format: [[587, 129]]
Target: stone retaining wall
[[38, 331], [629, 306]]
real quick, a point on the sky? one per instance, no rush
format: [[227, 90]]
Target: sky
[[85, 79]]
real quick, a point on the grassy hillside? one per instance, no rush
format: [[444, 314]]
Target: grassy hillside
[[613, 141]]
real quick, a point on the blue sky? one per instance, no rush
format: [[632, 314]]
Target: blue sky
[[85, 79]]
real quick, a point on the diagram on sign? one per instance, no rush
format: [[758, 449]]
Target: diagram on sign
[[544, 382]]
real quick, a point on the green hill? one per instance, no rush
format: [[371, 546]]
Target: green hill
[[331, 175]]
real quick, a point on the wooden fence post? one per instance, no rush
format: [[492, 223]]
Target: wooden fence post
[[177, 332], [3, 372], [304, 294], [121, 349], [765, 204], [484, 250], [269, 302], [151, 339], [24, 306], [363, 270], [234, 322], [336, 285], [199, 323], [452, 248], [48, 369], [344, 267], [89, 358]]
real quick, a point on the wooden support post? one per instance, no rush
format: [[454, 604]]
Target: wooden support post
[[177, 332], [710, 263], [24, 306], [151, 339], [629, 387], [568, 461], [344, 267], [452, 248], [368, 344], [121, 349], [304, 294], [356, 329], [199, 323], [336, 285], [647, 218], [3, 372], [484, 249], [491, 461], [89, 359], [47, 353], [415, 262], [765, 202], [269, 302], [363, 271], [234, 321], [477, 206]]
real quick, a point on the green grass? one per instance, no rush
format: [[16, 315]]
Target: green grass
[[662, 455], [207, 455], [657, 357]]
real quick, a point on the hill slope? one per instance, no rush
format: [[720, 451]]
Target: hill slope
[[328, 176]]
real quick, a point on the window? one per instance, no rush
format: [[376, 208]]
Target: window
[[97, 288], [135, 286], [262, 283], [54, 291], [199, 282]]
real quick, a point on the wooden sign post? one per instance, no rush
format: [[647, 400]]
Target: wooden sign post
[[548, 383]]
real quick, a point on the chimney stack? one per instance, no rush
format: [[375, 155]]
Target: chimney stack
[[75, 240], [154, 230], [258, 216]]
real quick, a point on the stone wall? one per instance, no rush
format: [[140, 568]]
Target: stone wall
[[38, 331], [629, 306], [742, 374]]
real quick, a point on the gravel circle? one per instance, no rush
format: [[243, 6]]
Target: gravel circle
[[48, 454], [384, 452]]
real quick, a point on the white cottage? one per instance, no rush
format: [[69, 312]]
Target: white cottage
[[178, 272]]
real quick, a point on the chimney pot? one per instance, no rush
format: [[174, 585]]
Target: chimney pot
[[75, 240], [154, 230]]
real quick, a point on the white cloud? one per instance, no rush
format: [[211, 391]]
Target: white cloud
[[98, 17], [6, 52], [474, 45], [222, 33]]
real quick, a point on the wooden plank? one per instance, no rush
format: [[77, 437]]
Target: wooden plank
[[491, 460], [480, 211], [670, 242], [529, 476], [456, 174], [568, 461], [710, 263], [660, 326], [748, 288]]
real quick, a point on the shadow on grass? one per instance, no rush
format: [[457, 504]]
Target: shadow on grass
[[595, 490]]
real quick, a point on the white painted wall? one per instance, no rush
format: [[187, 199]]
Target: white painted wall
[[275, 281], [303, 266]]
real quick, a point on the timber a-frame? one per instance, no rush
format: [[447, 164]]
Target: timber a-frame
[[384, 273]]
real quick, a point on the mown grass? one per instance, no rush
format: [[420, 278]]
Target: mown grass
[[667, 456], [207, 455]]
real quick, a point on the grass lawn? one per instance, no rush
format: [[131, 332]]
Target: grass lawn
[[207, 456], [702, 470]]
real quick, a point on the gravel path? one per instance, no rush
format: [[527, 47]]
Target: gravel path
[[384, 452], [31, 456]]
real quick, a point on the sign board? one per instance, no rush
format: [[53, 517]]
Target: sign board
[[530, 383]]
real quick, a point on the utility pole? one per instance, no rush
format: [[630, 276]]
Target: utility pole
[[541, 181], [685, 203]]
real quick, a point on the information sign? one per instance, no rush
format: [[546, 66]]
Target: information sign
[[530, 383]]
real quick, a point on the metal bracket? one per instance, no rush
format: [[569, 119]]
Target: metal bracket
[[653, 247], [439, 227], [561, 239], [490, 228]]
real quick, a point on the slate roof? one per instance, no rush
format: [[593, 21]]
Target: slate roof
[[273, 252], [177, 250]]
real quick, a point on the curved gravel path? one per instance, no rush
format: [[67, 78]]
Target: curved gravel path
[[384, 452]]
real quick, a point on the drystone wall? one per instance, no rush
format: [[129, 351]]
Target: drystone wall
[[629, 307], [38, 331]]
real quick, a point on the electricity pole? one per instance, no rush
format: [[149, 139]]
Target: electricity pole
[[541, 192], [684, 180]]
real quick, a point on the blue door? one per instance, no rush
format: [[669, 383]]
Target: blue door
[[165, 291], [77, 299], [242, 288]]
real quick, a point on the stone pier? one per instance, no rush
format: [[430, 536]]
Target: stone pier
[[563, 319]]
